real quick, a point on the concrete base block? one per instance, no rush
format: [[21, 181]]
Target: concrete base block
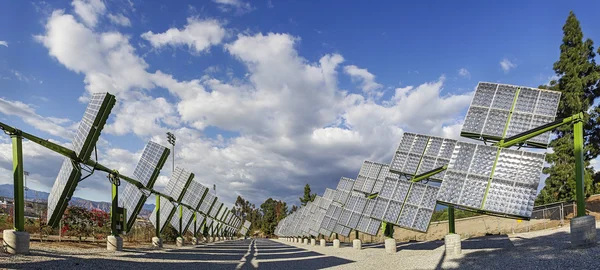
[[452, 243], [356, 244], [15, 242], [305, 241], [390, 245], [157, 242], [179, 242], [583, 231], [194, 241], [322, 242], [336, 243], [313, 242], [114, 243]]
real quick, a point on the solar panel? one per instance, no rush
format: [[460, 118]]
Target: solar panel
[[199, 221], [371, 176], [405, 203], [176, 187], [499, 111], [187, 215], [146, 172], [84, 143], [493, 180], [193, 197], [215, 210], [247, 224], [208, 201], [418, 154], [332, 215]]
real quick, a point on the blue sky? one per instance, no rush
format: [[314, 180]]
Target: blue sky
[[263, 93]]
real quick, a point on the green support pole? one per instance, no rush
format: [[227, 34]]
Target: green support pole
[[114, 217], [157, 216], [451, 225], [579, 168], [19, 196], [180, 220], [355, 234], [195, 225], [388, 230]]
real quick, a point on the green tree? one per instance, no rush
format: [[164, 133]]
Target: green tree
[[294, 209], [78, 222], [578, 77], [308, 197], [272, 212]]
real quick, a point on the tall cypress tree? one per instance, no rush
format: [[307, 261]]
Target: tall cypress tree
[[578, 81], [308, 197]]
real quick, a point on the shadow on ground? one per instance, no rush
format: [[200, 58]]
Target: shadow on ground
[[240, 254]]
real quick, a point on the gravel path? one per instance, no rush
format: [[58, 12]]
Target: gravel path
[[548, 249]]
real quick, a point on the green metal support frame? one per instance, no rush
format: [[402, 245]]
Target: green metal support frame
[[114, 216], [157, 216], [18, 185], [451, 223], [388, 229]]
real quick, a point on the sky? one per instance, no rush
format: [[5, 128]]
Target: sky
[[263, 96]]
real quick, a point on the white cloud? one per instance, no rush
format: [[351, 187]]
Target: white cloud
[[4, 43], [507, 65], [50, 125], [367, 80], [463, 72], [198, 35], [239, 6], [119, 19], [89, 10]]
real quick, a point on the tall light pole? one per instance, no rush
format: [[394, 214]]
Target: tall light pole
[[171, 139]]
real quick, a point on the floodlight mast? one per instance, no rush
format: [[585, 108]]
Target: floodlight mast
[[171, 139]]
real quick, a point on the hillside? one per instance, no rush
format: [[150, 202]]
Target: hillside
[[6, 190]]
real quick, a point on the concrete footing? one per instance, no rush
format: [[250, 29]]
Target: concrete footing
[[157, 242], [390, 245], [313, 242], [179, 242], [322, 242], [305, 241], [15, 242], [114, 243], [194, 241], [583, 231], [336, 243], [452, 243], [356, 244]]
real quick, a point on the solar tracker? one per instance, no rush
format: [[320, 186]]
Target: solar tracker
[[371, 176], [84, 142], [340, 196], [187, 215], [209, 222], [208, 201], [193, 197], [418, 154], [405, 203], [146, 171], [198, 222], [215, 210], [176, 188], [247, 224], [493, 180], [499, 110], [316, 216]]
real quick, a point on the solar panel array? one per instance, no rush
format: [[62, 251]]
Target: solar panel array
[[84, 142], [498, 106], [497, 180], [208, 201], [215, 210], [146, 172], [418, 154], [193, 197], [371, 176], [339, 197]]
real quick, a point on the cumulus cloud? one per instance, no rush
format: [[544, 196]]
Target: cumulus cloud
[[119, 19], [285, 127], [89, 10], [366, 79], [463, 72], [507, 65], [238, 6], [3, 43], [51, 125], [198, 35]]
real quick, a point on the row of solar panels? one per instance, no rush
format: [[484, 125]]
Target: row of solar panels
[[204, 208], [477, 177]]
